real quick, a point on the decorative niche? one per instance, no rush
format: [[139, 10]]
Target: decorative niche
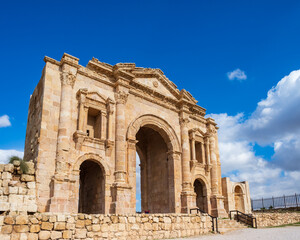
[[94, 120]]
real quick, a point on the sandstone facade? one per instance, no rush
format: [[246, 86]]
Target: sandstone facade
[[86, 124]]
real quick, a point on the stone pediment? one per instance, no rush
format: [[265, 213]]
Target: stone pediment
[[95, 96]]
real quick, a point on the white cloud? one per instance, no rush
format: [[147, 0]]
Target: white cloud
[[6, 154], [275, 123], [4, 121], [237, 74]]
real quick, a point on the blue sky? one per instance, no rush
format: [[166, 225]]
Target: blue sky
[[196, 43]]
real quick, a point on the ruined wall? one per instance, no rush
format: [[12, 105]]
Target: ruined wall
[[17, 191], [276, 218], [80, 226], [34, 120]]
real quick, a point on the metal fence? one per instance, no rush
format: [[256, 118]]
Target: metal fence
[[290, 201]]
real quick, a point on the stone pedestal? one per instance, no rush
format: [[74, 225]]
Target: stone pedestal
[[217, 206], [121, 199], [188, 201]]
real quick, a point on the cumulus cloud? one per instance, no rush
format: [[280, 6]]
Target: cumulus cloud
[[4, 121], [275, 122], [237, 74], [6, 154]]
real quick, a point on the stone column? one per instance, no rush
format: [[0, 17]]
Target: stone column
[[203, 153], [59, 200], [193, 147], [187, 194], [122, 191], [186, 172], [207, 153], [217, 201], [131, 169], [85, 118], [214, 171], [103, 125], [81, 116], [120, 171]]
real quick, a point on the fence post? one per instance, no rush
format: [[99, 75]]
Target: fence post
[[262, 201], [273, 202], [252, 204], [296, 199], [284, 201]]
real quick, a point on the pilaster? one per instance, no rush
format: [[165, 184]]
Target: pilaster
[[61, 179]]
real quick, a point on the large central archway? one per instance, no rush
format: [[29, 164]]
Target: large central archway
[[158, 149]]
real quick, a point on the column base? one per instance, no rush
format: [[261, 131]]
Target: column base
[[121, 199], [60, 201], [217, 206], [188, 201]]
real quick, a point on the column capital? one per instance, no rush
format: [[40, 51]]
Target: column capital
[[121, 97], [184, 121], [68, 78]]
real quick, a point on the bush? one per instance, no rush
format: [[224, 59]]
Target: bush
[[23, 164]]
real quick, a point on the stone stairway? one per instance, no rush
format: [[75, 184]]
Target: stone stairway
[[226, 225]]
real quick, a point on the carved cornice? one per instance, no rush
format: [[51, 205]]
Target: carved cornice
[[68, 78], [121, 97], [124, 74]]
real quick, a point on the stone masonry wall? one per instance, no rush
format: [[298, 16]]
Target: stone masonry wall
[[82, 226], [17, 190], [276, 219]]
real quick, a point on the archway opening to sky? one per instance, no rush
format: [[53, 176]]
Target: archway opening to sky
[[152, 172]]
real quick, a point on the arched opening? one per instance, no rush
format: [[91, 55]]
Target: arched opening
[[91, 189], [239, 199], [154, 171], [201, 195]]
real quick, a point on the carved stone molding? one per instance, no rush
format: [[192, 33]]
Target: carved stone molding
[[121, 97], [68, 78]]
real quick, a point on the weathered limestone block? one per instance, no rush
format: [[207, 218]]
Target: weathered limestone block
[[56, 234], [9, 168], [34, 228], [4, 206], [6, 229], [33, 236], [47, 226], [27, 178], [21, 228], [43, 235], [80, 233], [22, 219], [6, 176], [9, 220], [31, 169], [59, 226], [67, 234]]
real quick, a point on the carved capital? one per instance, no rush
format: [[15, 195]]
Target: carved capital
[[68, 78], [121, 97], [184, 121]]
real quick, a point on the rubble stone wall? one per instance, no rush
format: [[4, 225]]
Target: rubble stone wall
[[276, 219], [83, 226], [17, 190]]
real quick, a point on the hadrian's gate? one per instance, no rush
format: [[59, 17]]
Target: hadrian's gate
[[86, 125]]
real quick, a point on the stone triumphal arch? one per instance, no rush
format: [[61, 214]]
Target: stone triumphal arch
[[86, 125]]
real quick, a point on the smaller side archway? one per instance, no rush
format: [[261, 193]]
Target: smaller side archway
[[202, 194], [239, 199], [91, 187]]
